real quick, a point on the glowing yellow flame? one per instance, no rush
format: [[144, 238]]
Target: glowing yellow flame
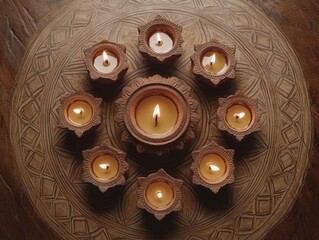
[[105, 57], [214, 168], [240, 115], [158, 39], [78, 110], [159, 194], [104, 166], [156, 113], [213, 59]]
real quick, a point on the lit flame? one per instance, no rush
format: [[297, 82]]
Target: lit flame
[[213, 59], [214, 168], [156, 113], [158, 39], [239, 115], [78, 110], [105, 57], [104, 166], [159, 194]]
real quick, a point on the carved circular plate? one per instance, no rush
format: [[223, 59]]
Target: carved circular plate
[[270, 164]]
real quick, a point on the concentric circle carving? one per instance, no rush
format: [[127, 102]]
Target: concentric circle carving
[[270, 164]]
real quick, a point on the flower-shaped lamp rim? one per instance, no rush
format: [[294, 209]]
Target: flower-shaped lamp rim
[[95, 120], [226, 154], [118, 50], [227, 50], [172, 29], [160, 176], [90, 155], [238, 98]]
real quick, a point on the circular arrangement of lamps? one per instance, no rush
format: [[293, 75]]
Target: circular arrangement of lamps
[[157, 115]]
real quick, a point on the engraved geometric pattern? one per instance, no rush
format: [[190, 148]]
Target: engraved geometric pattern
[[268, 174]]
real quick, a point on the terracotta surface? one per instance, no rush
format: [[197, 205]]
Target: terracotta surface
[[30, 30]]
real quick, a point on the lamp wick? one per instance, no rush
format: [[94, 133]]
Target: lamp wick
[[156, 120]]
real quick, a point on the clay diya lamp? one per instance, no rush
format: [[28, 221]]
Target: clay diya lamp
[[160, 40], [213, 166], [157, 114], [104, 167], [79, 112], [159, 194], [214, 62], [106, 62], [238, 115]]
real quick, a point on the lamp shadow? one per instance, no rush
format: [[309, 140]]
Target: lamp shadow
[[243, 148], [220, 201], [106, 91], [227, 88], [76, 145], [104, 202], [160, 228]]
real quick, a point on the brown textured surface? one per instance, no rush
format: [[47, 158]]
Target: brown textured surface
[[20, 23]]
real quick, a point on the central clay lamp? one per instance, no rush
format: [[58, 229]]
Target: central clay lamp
[[157, 114]]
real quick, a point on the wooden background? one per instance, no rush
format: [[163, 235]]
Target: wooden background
[[20, 22]]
